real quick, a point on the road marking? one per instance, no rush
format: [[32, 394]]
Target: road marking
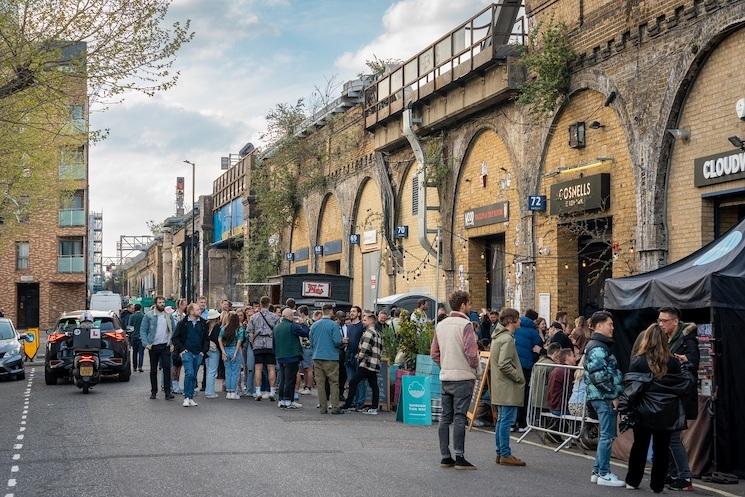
[[22, 428], [16, 457], [12, 482], [19, 437], [17, 446], [23, 422], [14, 469]]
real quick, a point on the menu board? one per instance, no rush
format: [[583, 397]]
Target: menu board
[[706, 364], [479, 386]]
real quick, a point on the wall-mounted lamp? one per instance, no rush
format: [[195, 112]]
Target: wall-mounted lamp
[[577, 135], [581, 167], [737, 142], [596, 125], [681, 134]]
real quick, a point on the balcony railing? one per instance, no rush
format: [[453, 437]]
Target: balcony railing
[[70, 263], [72, 217], [453, 57], [72, 171]]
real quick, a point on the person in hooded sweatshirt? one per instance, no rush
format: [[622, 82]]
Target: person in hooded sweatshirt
[[528, 343]]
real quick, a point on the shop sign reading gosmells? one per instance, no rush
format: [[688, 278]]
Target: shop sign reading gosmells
[[489, 214], [582, 194], [719, 168]]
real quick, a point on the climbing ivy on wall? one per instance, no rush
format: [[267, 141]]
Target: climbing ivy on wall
[[547, 58]]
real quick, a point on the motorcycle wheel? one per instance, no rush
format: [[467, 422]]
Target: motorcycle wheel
[[86, 388]]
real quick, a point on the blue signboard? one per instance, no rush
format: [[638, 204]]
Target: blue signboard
[[537, 203], [332, 247], [415, 407], [402, 232]]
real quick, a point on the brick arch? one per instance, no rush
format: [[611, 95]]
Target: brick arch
[[353, 218], [594, 82], [674, 106], [463, 144]]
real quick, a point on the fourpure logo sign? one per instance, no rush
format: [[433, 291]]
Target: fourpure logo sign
[[314, 289]]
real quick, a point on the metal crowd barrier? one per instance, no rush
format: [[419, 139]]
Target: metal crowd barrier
[[569, 420]]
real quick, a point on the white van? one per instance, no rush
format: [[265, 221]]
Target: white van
[[106, 300]]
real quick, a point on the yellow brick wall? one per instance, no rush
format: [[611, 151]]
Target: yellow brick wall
[[468, 244], [329, 229], [551, 274], [368, 217], [709, 114], [414, 253], [300, 239]]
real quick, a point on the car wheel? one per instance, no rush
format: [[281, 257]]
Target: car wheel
[[21, 375], [49, 377], [124, 375]]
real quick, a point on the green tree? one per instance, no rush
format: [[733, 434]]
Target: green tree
[[57, 59]]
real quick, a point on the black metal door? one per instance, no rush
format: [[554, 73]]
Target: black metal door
[[495, 262], [28, 305]]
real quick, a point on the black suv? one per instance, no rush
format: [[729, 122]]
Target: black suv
[[114, 355]]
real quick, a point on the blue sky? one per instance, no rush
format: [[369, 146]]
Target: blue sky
[[247, 56]]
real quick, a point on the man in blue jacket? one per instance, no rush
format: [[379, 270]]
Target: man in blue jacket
[[326, 340], [528, 343]]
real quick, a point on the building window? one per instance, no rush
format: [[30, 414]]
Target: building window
[[77, 117], [72, 163], [415, 196], [22, 252], [72, 209], [70, 258]]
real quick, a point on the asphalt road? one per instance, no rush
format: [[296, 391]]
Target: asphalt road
[[115, 442]]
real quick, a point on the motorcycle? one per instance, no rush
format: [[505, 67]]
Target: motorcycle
[[86, 346]]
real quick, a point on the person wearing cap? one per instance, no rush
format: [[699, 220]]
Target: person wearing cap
[[155, 333], [326, 341], [212, 361]]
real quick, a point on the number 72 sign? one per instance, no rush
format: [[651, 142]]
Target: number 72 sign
[[537, 203]]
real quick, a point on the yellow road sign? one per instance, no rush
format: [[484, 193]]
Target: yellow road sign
[[31, 348]]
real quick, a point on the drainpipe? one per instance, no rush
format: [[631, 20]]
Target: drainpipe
[[410, 134]]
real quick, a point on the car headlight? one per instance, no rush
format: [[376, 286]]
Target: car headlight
[[13, 354]]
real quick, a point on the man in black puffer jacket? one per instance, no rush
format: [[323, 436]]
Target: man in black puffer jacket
[[683, 342]]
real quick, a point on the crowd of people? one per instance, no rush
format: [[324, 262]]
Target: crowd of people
[[263, 351], [655, 398], [278, 353]]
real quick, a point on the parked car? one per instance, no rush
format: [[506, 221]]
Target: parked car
[[11, 350], [114, 355]]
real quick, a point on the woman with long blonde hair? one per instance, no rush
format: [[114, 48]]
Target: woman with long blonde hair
[[652, 404]]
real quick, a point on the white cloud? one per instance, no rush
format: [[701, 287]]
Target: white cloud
[[408, 27]]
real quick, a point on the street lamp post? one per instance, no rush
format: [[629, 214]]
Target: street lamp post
[[190, 285]]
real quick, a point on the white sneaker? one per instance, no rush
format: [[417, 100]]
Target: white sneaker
[[610, 480], [305, 391], [265, 395], [229, 395], [371, 412], [186, 403], [629, 487], [594, 478], [192, 403], [294, 405]]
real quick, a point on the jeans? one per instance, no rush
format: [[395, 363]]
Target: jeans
[[287, 380], [356, 383], [638, 457], [522, 411], [232, 369], [138, 356], [357, 399], [456, 396], [213, 358], [160, 353], [505, 420], [679, 467], [191, 366], [607, 425], [327, 370]]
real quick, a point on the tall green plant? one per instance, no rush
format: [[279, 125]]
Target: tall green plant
[[548, 58]]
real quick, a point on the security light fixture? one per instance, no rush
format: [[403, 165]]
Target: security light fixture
[[737, 142], [577, 135]]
